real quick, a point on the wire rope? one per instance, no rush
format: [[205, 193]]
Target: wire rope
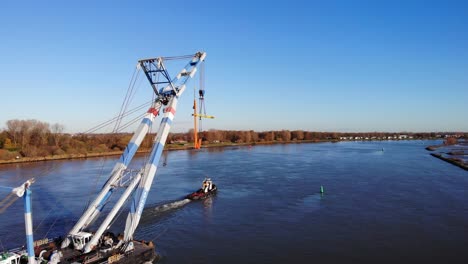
[[42, 221], [110, 121], [53, 224], [131, 122], [127, 95], [128, 98], [178, 57]]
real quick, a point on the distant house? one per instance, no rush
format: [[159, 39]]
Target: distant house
[[179, 141], [454, 136], [402, 136]]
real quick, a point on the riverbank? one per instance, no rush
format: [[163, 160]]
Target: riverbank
[[61, 157], [168, 147], [457, 148], [453, 161]]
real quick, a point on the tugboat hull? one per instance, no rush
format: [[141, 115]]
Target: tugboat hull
[[200, 194]]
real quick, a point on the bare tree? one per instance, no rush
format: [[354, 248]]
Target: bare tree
[[286, 135], [13, 129], [297, 135], [253, 136], [247, 137], [269, 136], [24, 133], [57, 130], [38, 133]]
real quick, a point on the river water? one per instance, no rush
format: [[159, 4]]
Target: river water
[[384, 202]]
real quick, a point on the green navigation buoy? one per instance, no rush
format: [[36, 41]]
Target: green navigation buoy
[[321, 188]]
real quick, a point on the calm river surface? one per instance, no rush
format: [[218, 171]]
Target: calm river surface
[[399, 205]]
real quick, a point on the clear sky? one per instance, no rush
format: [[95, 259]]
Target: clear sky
[[271, 65]]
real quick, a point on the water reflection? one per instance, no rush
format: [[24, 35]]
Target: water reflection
[[311, 203], [216, 149], [378, 206], [164, 158], [208, 209]]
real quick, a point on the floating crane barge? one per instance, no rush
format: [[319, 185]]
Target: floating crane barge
[[82, 245]]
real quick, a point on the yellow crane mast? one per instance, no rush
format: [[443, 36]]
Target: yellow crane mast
[[198, 141], [202, 113]]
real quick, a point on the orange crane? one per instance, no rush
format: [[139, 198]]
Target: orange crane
[[202, 113], [198, 141]]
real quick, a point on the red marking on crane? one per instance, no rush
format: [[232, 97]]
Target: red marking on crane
[[153, 111], [169, 109]]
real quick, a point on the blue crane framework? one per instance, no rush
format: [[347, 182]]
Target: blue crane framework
[[137, 184]]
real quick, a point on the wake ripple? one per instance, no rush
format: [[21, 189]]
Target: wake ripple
[[170, 206]]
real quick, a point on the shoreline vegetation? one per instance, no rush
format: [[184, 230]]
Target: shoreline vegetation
[[451, 142], [168, 147], [33, 140], [454, 161]]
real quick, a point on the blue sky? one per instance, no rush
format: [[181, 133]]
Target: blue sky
[[312, 65]]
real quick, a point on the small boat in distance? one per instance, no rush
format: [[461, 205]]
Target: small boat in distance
[[208, 189]]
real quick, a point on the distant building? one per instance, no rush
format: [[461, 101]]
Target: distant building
[[178, 141]]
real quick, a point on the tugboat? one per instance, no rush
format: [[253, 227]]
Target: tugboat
[[83, 245], [208, 189]]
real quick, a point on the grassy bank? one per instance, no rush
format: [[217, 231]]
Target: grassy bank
[[453, 161], [169, 147], [60, 157]]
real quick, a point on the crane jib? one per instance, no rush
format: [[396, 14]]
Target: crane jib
[[140, 185]]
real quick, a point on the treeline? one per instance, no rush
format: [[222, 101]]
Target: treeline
[[213, 136], [33, 138]]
